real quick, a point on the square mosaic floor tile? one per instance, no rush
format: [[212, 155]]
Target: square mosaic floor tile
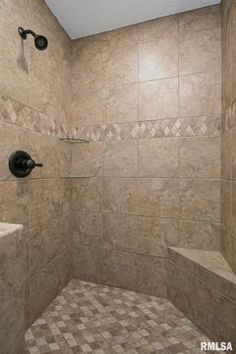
[[92, 318]]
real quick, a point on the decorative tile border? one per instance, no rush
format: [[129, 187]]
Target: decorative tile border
[[185, 127], [14, 112]]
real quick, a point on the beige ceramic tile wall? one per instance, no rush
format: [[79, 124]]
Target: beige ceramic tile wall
[[228, 186], [148, 99], [34, 103]]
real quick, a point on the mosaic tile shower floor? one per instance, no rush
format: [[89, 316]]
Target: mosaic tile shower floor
[[92, 318]]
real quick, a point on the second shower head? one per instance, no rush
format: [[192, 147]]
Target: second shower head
[[40, 41]]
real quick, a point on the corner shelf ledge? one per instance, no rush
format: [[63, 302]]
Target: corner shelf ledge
[[75, 140]]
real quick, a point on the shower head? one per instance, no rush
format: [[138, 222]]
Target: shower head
[[40, 42]]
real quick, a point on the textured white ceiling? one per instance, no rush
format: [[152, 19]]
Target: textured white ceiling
[[85, 17]]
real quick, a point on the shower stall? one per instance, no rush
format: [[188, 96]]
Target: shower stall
[[117, 184]]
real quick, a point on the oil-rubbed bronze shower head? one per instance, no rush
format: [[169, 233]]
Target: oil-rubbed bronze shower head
[[40, 42]]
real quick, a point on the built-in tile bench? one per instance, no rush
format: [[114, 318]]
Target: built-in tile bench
[[203, 286], [11, 290]]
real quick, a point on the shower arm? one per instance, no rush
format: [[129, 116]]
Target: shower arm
[[23, 33]]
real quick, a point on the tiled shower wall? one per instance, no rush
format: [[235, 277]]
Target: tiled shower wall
[[148, 97], [34, 96], [228, 203]]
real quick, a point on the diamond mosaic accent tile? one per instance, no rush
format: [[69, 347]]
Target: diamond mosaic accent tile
[[14, 112], [185, 127], [91, 318]]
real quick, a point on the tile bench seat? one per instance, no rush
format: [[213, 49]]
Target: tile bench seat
[[203, 286]]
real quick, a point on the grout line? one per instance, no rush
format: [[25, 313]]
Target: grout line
[[104, 212], [148, 178]]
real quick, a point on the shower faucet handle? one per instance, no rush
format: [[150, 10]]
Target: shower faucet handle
[[32, 164], [38, 164], [21, 164]]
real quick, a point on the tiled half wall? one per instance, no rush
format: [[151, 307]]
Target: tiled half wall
[[148, 97]]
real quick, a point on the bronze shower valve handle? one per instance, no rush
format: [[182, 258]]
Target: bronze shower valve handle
[[21, 164]]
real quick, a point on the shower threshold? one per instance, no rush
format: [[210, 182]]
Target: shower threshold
[[91, 318]]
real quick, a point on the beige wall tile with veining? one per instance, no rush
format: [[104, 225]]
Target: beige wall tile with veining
[[225, 243], [200, 235], [120, 66], [87, 159], [45, 200], [66, 230], [14, 67], [155, 235], [158, 58], [233, 252], [14, 205], [12, 331], [229, 152], [226, 68], [158, 158], [120, 231], [158, 99], [158, 197], [89, 45], [84, 268], [115, 268], [65, 45], [87, 107], [200, 200], [44, 242], [120, 38], [9, 142], [65, 195], [11, 271], [45, 81], [87, 228], [199, 157], [161, 28], [87, 73], [151, 275], [121, 104], [120, 195], [233, 209], [86, 194], [232, 53], [65, 95], [227, 157], [202, 19], [228, 137], [226, 204], [200, 51], [44, 286], [65, 158], [150, 197], [11, 13], [200, 94], [120, 159], [66, 267]]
